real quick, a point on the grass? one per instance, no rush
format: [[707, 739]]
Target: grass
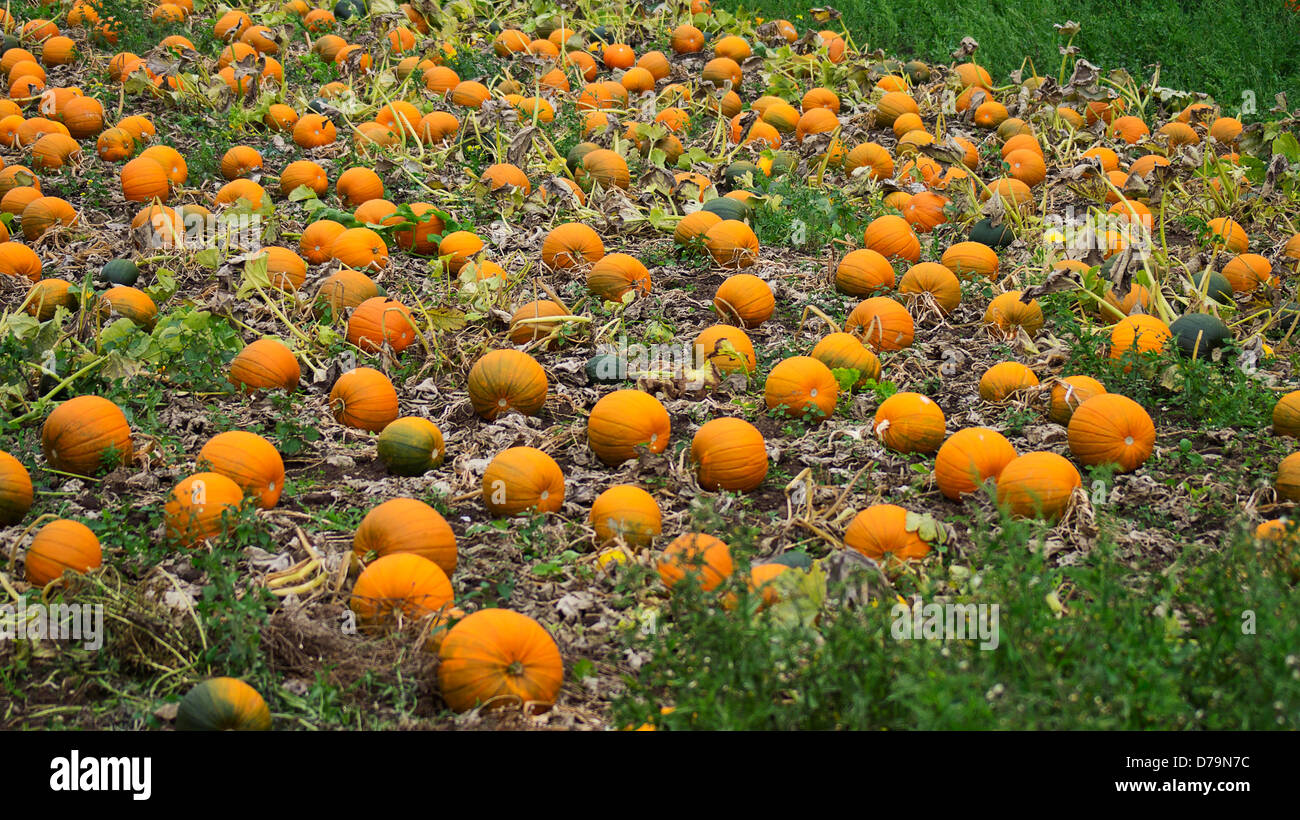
[[1224, 49]]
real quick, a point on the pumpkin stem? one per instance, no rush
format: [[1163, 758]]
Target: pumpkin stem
[[515, 669]]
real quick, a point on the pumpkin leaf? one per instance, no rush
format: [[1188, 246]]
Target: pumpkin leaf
[[846, 377], [800, 595], [446, 319], [926, 527], [163, 287], [255, 275], [208, 257]]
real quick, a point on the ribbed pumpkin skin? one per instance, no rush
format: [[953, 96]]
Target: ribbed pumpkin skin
[[250, 461], [1004, 378], [1069, 393], [625, 420], [934, 279], [893, 105], [1112, 429], [196, 505], [82, 433], [970, 457], [871, 156], [628, 512], [16, 493], [705, 557], [1286, 415], [131, 303], [909, 423], [499, 658], [364, 398], [61, 545], [744, 297], [730, 454], [1287, 482], [804, 386], [572, 245], [344, 289], [886, 325], [864, 272], [317, 239], [892, 238], [361, 249], [843, 350], [732, 244], [694, 226], [966, 258], [223, 704], [407, 525], [1038, 484], [378, 321], [144, 179], [1141, 333], [726, 347], [881, 530], [400, 585], [265, 365], [505, 380], [523, 331], [1008, 313], [616, 274], [521, 479], [411, 446]]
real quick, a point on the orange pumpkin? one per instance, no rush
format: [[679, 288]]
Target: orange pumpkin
[[523, 325], [745, 298], [964, 258], [380, 321], [360, 248], [803, 387], [521, 479], [1140, 334], [364, 398], [730, 454], [344, 289], [843, 350], [85, 434], [400, 586], [16, 493], [1286, 415], [625, 420], [931, 282], [505, 380], [1038, 484], [266, 364], [61, 546], [884, 323], [250, 461], [1070, 392], [1004, 379], [571, 245], [496, 658], [909, 423], [970, 457], [703, 557], [732, 244], [200, 508], [881, 530], [627, 512], [892, 238], [864, 272], [1007, 313], [406, 525], [1112, 429], [726, 347], [617, 274]]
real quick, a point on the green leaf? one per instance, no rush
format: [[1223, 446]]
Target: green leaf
[[163, 287], [446, 319], [847, 377], [209, 257], [1287, 146], [302, 192], [255, 275]]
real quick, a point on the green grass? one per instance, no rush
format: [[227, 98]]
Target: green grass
[[1222, 49]]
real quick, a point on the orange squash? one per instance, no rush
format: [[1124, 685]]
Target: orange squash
[[250, 461], [360, 248], [970, 457], [199, 508], [400, 586], [411, 446], [16, 493], [726, 347], [881, 530], [1004, 379], [521, 479], [61, 546], [617, 274], [496, 658], [380, 321], [884, 324], [406, 525], [730, 454], [571, 245], [627, 512], [85, 434], [864, 272], [1112, 429], [1007, 313], [266, 364], [966, 258], [745, 298], [1140, 334], [705, 558], [909, 423], [732, 244], [843, 350], [931, 282], [364, 398], [1070, 392], [505, 380], [1038, 484], [802, 387], [625, 420]]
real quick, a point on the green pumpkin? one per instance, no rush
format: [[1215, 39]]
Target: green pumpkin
[[410, 446], [795, 559], [783, 161], [347, 9], [983, 231], [1200, 333], [606, 368], [223, 704], [736, 171], [917, 71], [120, 272], [728, 208], [1218, 287], [577, 153]]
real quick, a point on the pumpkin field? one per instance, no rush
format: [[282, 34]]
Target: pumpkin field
[[615, 365]]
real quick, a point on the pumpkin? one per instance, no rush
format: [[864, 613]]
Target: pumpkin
[[931, 281], [114, 145], [694, 226], [61, 546], [406, 525], [380, 321], [1038, 484], [864, 272], [343, 289], [286, 269], [458, 247], [703, 557], [1002, 380], [505, 380], [802, 387], [16, 492], [881, 530], [965, 258], [1010, 315], [197, 506], [358, 185], [16, 259], [845, 351], [360, 248], [314, 131], [365, 399], [872, 158], [411, 446], [970, 457], [729, 454], [1070, 392], [318, 238], [627, 512], [521, 479], [884, 324], [223, 704], [1287, 482], [1140, 334], [1229, 234], [47, 296], [85, 434], [523, 328], [1112, 429], [250, 461], [909, 423], [1247, 271], [732, 244], [892, 238], [726, 347], [1286, 416], [144, 179], [1199, 334], [746, 298], [400, 586], [171, 161], [305, 173], [571, 245], [625, 420], [495, 658], [617, 274], [894, 105]]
